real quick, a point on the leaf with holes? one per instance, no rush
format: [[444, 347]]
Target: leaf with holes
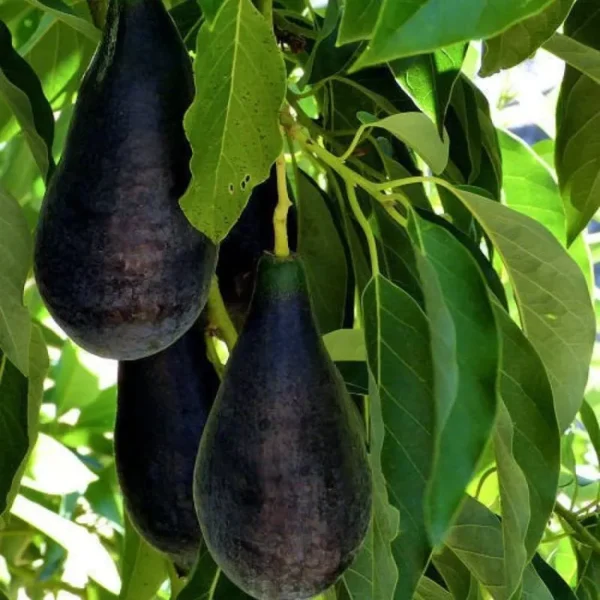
[[233, 123]]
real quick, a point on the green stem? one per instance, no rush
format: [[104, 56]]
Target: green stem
[[219, 317], [2, 366], [582, 534], [362, 221], [282, 248], [266, 8]]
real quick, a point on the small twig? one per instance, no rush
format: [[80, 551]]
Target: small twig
[[582, 534]]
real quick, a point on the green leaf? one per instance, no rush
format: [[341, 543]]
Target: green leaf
[[144, 569], [93, 559], [374, 574], [529, 186], [429, 79], [75, 385], [552, 296], [19, 410], [323, 255], [464, 422], [534, 442], [399, 350], [460, 581], [64, 13], [347, 345], [514, 498], [16, 253], [430, 590], [409, 28], [233, 123], [520, 41], [418, 132], [576, 54], [590, 422], [210, 8], [54, 469], [358, 20], [21, 90], [476, 539], [577, 137], [558, 587]]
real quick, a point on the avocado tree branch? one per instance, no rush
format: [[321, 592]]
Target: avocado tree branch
[[581, 533], [218, 317], [282, 247]]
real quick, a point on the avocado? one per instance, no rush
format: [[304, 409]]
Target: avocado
[[163, 403], [117, 263], [282, 483], [244, 245]]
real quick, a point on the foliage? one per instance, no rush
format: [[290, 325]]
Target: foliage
[[449, 264]]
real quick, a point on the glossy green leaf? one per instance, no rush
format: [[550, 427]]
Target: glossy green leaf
[[323, 255], [95, 560], [346, 345], [514, 497], [577, 136], [458, 578], [430, 590], [520, 41], [576, 54], [467, 424], [418, 132], [358, 20], [558, 587], [529, 186], [19, 409], [240, 86], [529, 433], [551, 294], [63, 12], [21, 90], [144, 568], [590, 422], [409, 28], [373, 574], [399, 350], [476, 539], [16, 252], [429, 79]]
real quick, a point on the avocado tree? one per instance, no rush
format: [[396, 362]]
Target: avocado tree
[[449, 264]]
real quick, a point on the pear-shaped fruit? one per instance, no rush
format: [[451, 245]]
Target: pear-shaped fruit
[[117, 263], [163, 404], [282, 480]]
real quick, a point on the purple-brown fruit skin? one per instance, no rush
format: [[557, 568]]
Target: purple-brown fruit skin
[[117, 263], [282, 481], [163, 404]]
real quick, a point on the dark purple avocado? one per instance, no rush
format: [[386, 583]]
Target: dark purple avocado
[[282, 481], [163, 404], [117, 263]]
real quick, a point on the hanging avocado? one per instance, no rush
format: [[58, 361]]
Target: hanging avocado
[[285, 508], [244, 245], [119, 267], [162, 407]]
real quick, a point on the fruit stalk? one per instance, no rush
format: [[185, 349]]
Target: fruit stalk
[[218, 316], [282, 248]]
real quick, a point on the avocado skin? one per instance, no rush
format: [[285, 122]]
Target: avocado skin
[[163, 403], [285, 508], [244, 245], [120, 268]]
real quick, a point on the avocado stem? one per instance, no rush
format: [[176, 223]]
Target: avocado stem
[[218, 316], [282, 248], [362, 221]]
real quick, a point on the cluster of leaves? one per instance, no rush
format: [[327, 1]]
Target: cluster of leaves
[[449, 271]]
